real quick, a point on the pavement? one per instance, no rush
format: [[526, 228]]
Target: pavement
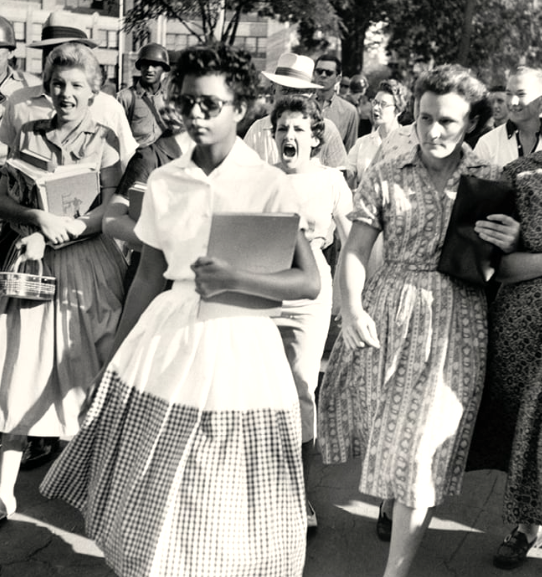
[[46, 538]]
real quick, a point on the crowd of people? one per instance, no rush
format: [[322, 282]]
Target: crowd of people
[[191, 437]]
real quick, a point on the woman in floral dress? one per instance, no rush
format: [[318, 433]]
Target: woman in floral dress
[[405, 376]]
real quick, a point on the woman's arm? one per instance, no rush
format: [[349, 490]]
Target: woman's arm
[[91, 222], [148, 283], [519, 266], [343, 225], [118, 224], [358, 327], [500, 230], [54, 228], [214, 276], [110, 175]]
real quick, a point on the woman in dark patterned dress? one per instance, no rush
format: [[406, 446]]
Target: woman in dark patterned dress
[[510, 426]]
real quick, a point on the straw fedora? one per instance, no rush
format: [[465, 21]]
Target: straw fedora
[[293, 71], [58, 28]]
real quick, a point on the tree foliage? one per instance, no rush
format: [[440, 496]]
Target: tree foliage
[[219, 19], [355, 19], [503, 33]]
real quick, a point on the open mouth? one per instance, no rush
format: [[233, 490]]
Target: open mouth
[[288, 150]]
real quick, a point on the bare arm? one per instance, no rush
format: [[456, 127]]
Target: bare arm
[[519, 266], [214, 276], [54, 228], [500, 230], [118, 224], [358, 327], [148, 283], [91, 222]]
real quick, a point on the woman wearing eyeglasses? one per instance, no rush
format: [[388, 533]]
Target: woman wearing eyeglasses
[[214, 484], [386, 107]]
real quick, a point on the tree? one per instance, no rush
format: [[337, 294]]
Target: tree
[[219, 19], [355, 19], [489, 36]]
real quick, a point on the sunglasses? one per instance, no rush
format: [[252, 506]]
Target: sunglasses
[[211, 106], [324, 72]]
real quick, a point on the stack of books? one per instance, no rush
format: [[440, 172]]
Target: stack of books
[[69, 190]]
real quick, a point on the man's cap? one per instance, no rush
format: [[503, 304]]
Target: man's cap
[[293, 71], [58, 28]]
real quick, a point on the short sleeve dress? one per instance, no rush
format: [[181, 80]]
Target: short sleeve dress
[[189, 461], [508, 433], [51, 351], [408, 408]]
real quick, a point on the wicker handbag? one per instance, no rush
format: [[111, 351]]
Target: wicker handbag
[[22, 285]]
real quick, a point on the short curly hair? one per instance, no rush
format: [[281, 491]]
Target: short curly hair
[[73, 55], [217, 58], [397, 90], [309, 108], [455, 78]]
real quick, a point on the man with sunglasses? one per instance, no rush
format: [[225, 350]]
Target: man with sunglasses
[[10, 78], [327, 73]]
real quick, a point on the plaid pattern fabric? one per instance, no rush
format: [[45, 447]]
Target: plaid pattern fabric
[[171, 490]]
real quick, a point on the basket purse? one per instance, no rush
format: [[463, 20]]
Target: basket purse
[[22, 285]]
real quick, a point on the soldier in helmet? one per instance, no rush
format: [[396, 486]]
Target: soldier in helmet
[[144, 100], [10, 79]]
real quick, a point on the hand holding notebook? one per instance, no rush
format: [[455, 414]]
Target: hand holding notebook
[[253, 242]]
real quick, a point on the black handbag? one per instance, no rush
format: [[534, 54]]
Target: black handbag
[[464, 254]]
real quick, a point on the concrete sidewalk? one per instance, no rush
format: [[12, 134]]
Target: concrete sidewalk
[[45, 538]]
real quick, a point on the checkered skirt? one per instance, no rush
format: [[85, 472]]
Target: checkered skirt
[[194, 476]]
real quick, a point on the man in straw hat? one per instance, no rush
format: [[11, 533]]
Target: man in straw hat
[[32, 103], [11, 79], [293, 75]]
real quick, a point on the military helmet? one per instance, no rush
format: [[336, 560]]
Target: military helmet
[[153, 52], [7, 34]]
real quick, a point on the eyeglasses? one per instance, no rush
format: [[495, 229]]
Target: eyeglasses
[[324, 72], [211, 106], [381, 104]]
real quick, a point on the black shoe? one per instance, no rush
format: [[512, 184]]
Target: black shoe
[[513, 550], [383, 525], [39, 451]]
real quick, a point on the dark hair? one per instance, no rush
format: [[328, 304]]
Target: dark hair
[[73, 55], [218, 58], [497, 88], [455, 78], [397, 90], [309, 108], [358, 84], [330, 58]]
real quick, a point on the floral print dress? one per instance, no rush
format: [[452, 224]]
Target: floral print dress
[[408, 408]]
